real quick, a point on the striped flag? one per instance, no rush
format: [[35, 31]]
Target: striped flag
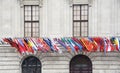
[[45, 46], [87, 44], [70, 44], [67, 44], [21, 47], [55, 45], [74, 45], [78, 43], [95, 45], [61, 43]]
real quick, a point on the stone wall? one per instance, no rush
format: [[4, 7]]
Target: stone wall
[[10, 61], [56, 18]]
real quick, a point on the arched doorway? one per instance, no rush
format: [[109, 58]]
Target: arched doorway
[[80, 64], [31, 65]]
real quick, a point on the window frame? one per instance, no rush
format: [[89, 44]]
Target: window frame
[[84, 60], [32, 21], [80, 21], [39, 65]]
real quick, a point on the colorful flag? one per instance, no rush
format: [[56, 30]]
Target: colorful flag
[[95, 45], [74, 45], [67, 44], [115, 42], [41, 45], [61, 43], [21, 46], [55, 45], [29, 49], [87, 44], [78, 43], [100, 43], [45, 46]]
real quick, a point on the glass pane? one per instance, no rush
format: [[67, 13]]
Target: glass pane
[[84, 29], [78, 13], [75, 13], [35, 13], [36, 29], [78, 8], [27, 29], [86, 7], [78, 18], [27, 13], [84, 17], [76, 28], [75, 7]]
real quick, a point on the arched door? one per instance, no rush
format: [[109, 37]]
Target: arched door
[[31, 65], [80, 64]]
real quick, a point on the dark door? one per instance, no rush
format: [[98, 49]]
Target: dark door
[[80, 64], [31, 65]]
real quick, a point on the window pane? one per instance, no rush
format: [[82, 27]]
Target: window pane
[[27, 13], [84, 27], [35, 29], [77, 28], [35, 13]]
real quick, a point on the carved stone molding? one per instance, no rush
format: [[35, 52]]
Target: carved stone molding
[[90, 2], [31, 2], [71, 2], [40, 3]]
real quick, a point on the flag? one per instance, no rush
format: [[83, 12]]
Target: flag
[[45, 46], [55, 45], [78, 43], [67, 44], [95, 45], [29, 49], [100, 43], [32, 44], [2, 41], [115, 42], [21, 46], [38, 44], [48, 42], [61, 43], [11, 42], [29, 45], [41, 45], [51, 45], [87, 44], [74, 45]]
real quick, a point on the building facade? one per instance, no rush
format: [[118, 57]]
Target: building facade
[[59, 18]]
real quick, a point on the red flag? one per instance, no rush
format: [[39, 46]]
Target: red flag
[[29, 49], [100, 43], [44, 44], [87, 44]]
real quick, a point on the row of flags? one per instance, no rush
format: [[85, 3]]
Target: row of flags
[[89, 44]]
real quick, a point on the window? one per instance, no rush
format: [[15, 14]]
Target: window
[[80, 20], [31, 21], [80, 64], [31, 65]]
